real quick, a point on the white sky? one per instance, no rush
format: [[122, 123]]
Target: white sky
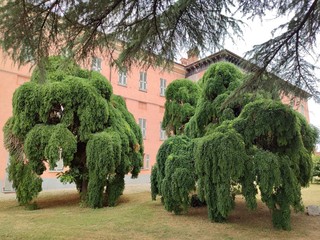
[[258, 32]]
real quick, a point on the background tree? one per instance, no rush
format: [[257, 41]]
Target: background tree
[[316, 166], [154, 31], [257, 143], [75, 117]]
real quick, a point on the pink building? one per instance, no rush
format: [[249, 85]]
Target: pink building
[[143, 91]]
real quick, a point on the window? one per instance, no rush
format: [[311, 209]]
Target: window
[[163, 135], [96, 64], [143, 126], [59, 163], [163, 84], [146, 163], [143, 81], [123, 77]]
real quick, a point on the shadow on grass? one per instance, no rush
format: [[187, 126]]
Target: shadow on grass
[[70, 198], [240, 215], [57, 200], [124, 199]]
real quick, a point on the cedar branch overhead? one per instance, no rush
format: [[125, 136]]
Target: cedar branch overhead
[[152, 32]]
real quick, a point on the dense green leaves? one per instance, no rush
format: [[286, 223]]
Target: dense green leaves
[[181, 99], [74, 117], [217, 84], [25, 181], [103, 156], [61, 136], [25, 109], [218, 163], [174, 177], [253, 143]]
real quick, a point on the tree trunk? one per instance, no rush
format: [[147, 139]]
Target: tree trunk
[[83, 170], [84, 190]]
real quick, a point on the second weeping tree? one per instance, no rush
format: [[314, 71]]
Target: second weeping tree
[[254, 141], [73, 116]]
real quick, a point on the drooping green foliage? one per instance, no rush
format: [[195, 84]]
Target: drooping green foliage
[[217, 84], [103, 155], [173, 176], [181, 99], [253, 143], [61, 136], [279, 144], [219, 166], [72, 117], [26, 183]]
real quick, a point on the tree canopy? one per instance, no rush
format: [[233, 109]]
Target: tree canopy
[[153, 31], [73, 116], [256, 143], [181, 99]]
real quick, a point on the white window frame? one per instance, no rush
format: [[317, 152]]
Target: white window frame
[[163, 86], [146, 162], [122, 77], [163, 135], [143, 81], [143, 127], [96, 64]]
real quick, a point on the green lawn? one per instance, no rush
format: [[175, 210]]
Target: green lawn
[[137, 217]]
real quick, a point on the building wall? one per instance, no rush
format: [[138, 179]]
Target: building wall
[[11, 77], [298, 104], [148, 105]]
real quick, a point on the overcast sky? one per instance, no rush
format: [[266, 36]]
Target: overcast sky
[[258, 32]]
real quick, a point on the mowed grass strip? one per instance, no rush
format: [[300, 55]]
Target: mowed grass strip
[[137, 217]]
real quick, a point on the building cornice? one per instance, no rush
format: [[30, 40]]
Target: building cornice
[[223, 55], [226, 55]]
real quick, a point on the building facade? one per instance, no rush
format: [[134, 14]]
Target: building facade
[[142, 89]]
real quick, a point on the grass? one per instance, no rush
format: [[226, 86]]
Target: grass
[[137, 217]]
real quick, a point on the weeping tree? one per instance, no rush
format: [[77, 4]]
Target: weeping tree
[[254, 142], [181, 100], [316, 166], [73, 116]]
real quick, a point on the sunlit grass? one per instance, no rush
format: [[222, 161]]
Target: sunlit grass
[[137, 217]]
